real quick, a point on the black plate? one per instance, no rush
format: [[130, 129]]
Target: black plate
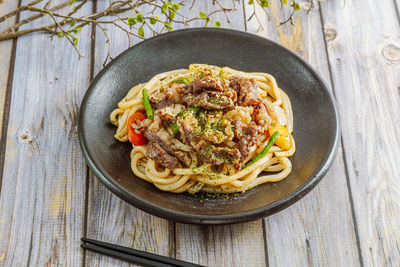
[[316, 126]]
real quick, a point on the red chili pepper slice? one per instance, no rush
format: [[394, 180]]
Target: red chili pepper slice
[[134, 138]]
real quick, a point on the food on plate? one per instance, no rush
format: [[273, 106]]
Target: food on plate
[[207, 128]]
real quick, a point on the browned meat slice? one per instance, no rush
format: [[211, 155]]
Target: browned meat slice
[[246, 90], [205, 84], [247, 136], [219, 155], [159, 155], [162, 97], [209, 100], [162, 104], [162, 137]]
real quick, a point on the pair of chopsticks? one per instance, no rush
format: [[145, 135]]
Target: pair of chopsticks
[[132, 255]]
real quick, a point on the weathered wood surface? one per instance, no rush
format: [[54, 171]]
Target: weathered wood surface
[[5, 67], [301, 235], [42, 196], [364, 55], [348, 220]]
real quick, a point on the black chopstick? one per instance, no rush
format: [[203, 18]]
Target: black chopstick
[[133, 255]]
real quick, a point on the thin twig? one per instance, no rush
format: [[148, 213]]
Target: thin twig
[[34, 17], [65, 34], [18, 10]]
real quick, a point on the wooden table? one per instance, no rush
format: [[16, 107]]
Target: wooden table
[[49, 198]]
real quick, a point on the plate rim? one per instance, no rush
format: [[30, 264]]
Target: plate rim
[[251, 215]]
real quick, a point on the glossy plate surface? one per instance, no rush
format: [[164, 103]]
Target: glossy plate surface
[[316, 126]]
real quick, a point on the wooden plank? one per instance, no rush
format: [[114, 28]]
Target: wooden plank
[[229, 245], [42, 196], [308, 233], [110, 218], [5, 57], [364, 54]]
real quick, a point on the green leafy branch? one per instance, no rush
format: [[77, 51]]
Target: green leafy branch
[[126, 15]]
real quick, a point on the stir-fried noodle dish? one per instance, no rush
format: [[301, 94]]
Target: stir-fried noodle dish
[[208, 129]]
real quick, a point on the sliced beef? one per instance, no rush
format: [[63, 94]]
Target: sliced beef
[[247, 137], [205, 84], [246, 90], [161, 137], [163, 97], [162, 104], [209, 100], [156, 134], [219, 155], [159, 155]]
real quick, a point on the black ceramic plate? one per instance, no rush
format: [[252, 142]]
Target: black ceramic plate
[[316, 127]]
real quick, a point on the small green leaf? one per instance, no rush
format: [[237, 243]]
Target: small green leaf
[[141, 31], [250, 2], [216, 24], [164, 8], [139, 17], [264, 3], [175, 7], [168, 25], [60, 34], [131, 21], [77, 30], [73, 22], [202, 15], [71, 2], [296, 6], [172, 15], [284, 2], [153, 20], [75, 41]]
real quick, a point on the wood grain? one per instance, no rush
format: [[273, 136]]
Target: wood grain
[[5, 57], [230, 245], [109, 218], [365, 61], [308, 233], [42, 197]]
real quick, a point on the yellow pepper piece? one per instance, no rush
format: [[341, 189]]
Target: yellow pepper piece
[[284, 140]]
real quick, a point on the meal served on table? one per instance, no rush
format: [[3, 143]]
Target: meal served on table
[[207, 129]]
